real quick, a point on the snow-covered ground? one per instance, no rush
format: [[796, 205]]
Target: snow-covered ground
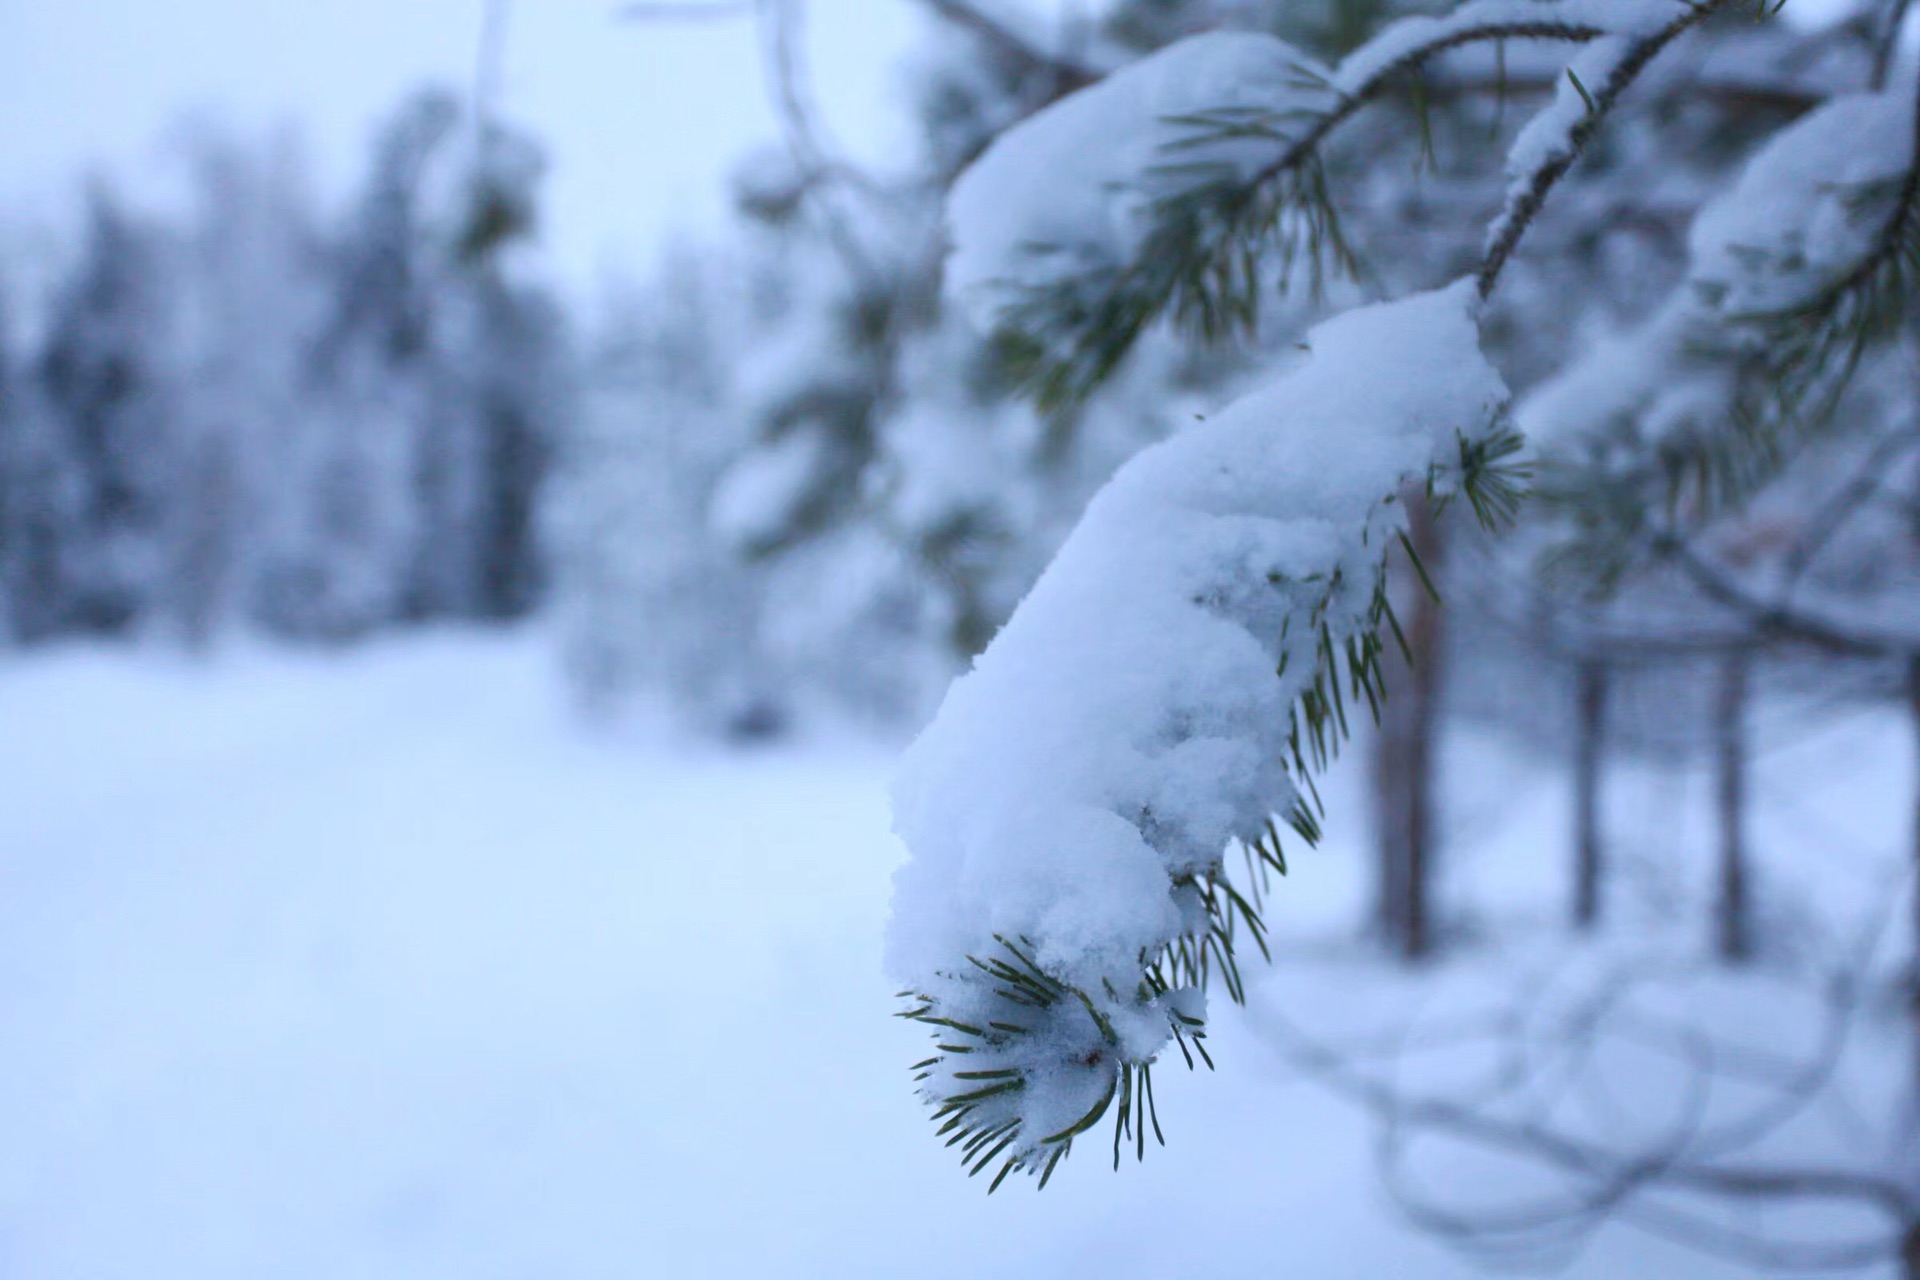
[[378, 965]]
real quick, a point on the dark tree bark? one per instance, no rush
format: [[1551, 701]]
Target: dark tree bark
[[1913, 971], [1406, 750], [1733, 926], [1589, 854]]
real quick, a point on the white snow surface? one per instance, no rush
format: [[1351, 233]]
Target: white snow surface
[[1068, 192], [1548, 136], [1656, 382], [1128, 722], [375, 966], [1796, 219]]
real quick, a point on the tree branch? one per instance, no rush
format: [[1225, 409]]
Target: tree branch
[[1899, 224], [1512, 224], [1778, 619], [1843, 505], [1068, 75], [1609, 1182]]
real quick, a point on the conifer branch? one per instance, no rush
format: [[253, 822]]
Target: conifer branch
[[1802, 357], [1202, 260], [1895, 252], [1511, 226]]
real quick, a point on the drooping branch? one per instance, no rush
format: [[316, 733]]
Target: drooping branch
[[1832, 516], [1366, 76]]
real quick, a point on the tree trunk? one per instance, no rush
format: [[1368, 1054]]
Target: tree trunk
[[1733, 925], [1589, 856], [1405, 752], [1913, 971]]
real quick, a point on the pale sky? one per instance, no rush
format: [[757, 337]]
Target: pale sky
[[642, 121]]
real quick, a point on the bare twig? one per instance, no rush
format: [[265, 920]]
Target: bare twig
[[1833, 516], [1068, 74], [782, 27], [1609, 1175], [1778, 619]]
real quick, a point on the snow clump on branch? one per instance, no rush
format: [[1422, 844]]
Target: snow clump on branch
[[1069, 193], [1072, 802]]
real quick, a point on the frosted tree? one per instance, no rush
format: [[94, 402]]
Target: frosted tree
[[243, 417], [252, 285], [892, 495], [429, 396], [31, 512], [105, 386], [1161, 701], [651, 602]]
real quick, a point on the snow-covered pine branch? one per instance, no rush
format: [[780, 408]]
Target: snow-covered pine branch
[[1167, 687], [1546, 148], [1797, 274], [1177, 674], [1186, 183]]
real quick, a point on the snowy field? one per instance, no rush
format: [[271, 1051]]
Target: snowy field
[[378, 966]]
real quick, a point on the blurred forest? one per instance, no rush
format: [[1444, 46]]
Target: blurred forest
[[783, 481], [782, 478]]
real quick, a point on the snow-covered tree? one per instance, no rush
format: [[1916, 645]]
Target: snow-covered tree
[[248, 417], [108, 402], [652, 603], [1194, 655], [891, 495]]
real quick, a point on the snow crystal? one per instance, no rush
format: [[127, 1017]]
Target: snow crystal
[[1069, 191], [1128, 722]]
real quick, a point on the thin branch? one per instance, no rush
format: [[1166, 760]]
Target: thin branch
[[1843, 505], [1616, 1182], [1388, 73], [1778, 619], [1068, 74], [782, 27], [1520, 212], [1729, 93]]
